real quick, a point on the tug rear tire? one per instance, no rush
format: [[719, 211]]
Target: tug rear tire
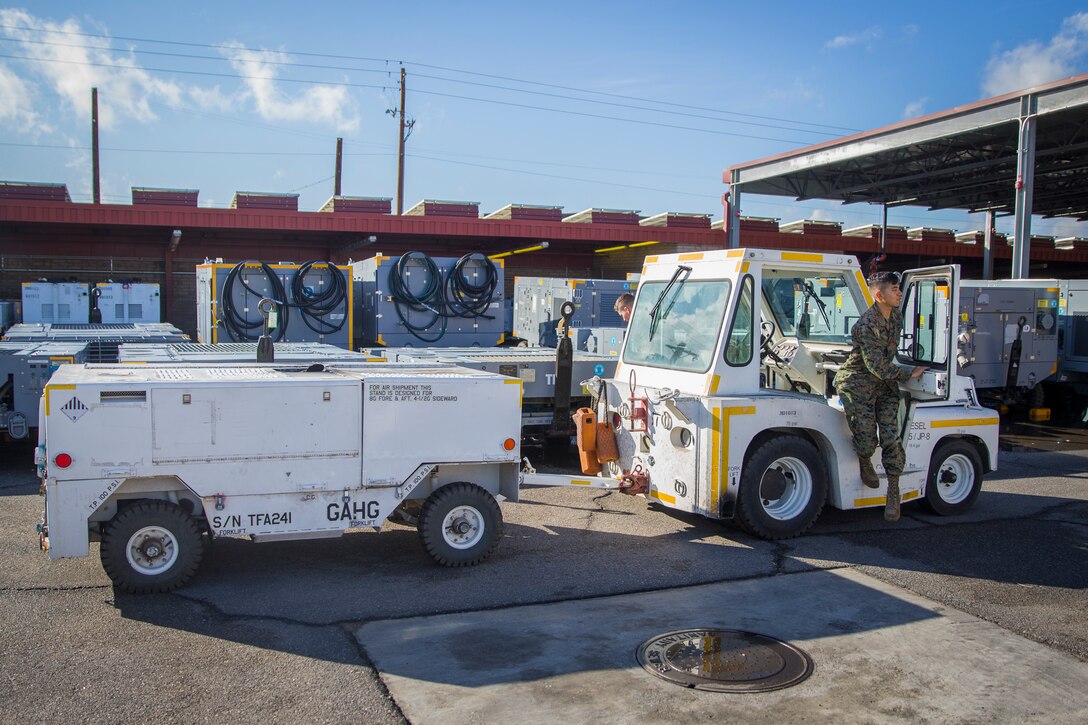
[[460, 525], [151, 546], [782, 488]]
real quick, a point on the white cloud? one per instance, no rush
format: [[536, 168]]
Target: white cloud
[[17, 110], [915, 108], [1034, 62], [321, 103], [71, 65], [866, 37]]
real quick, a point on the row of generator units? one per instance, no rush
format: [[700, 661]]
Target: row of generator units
[[394, 301], [101, 340], [82, 303]]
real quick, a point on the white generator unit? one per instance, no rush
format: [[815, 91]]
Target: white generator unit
[[56, 302], [270, 454], [538, 300], [313, 302], [25, 368], [415, 300], [1008, 332], [126, 302]]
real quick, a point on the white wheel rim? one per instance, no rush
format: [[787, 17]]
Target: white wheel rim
[[798, 491], [152, 550], [955, 478], [463, 527]]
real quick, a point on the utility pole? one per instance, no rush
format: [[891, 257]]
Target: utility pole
[[400, 150], [339, 166], [95, 187]]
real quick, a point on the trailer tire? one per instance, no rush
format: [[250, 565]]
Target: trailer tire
[[151, 546], [782, 488], [460, 524], [955, 478]]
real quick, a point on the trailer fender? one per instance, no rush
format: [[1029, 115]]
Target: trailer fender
[[74, 507]]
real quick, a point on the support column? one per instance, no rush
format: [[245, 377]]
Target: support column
[[732, 217], [988, 245], [1025, 181]]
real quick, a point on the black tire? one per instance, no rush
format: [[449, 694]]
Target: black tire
[[464, 505], [782, 488], [955, 478], [151, 546]]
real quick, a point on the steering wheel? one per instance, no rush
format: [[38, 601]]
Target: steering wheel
[[681, 348], [766, 332]]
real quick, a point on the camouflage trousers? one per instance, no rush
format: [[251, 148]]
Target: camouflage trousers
[[872, 412]]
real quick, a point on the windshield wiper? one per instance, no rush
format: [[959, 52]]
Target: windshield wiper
[[656, 309], [810, 293]]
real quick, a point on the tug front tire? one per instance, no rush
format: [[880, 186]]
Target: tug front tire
[[151, 546], [782, 488], [460, 525]]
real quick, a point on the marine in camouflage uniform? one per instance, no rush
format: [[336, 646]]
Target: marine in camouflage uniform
[[868, 385]]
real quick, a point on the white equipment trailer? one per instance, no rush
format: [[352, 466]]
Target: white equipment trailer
[[723, 402], [155, 459]]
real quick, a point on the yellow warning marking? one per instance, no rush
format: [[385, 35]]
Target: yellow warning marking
[[580, 482], [663, 496], [50, 388], [1052, 289], [732, 253], [801, 257], [691, 257], [879, 500], [963, 422], [649, 260], [719, 463], [864, 288], [714, 384]]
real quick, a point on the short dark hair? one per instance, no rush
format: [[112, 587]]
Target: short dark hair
[[883, 279], [624, 300]]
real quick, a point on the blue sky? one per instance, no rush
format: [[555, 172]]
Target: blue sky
[[632, 105]]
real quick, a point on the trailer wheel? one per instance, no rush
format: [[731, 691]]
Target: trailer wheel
[[151, 546], [955, 478], [782, 488], [460, 524]]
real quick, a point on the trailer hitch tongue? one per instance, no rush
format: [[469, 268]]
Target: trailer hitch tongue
[[636, 481]]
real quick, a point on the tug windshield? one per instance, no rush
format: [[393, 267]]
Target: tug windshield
[[677, 327]]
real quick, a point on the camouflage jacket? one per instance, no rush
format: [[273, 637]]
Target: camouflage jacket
[[872, 360]]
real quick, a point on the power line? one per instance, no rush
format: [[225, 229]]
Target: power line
[[447, 69], [416, 90], [292, 64]]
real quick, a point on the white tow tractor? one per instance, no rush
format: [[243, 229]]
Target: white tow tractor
[[155, 459], [723, 402]]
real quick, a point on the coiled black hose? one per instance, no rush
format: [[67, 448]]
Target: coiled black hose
[[466, 299], [315, 307], [238, 326], [429, 300]]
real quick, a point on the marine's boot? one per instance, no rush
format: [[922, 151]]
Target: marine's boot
[[891, 503], [868, 473]]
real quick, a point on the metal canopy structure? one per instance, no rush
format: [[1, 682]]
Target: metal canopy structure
[[1022, 153]]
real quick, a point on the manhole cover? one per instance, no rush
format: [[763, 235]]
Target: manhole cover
[[724, 660]]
